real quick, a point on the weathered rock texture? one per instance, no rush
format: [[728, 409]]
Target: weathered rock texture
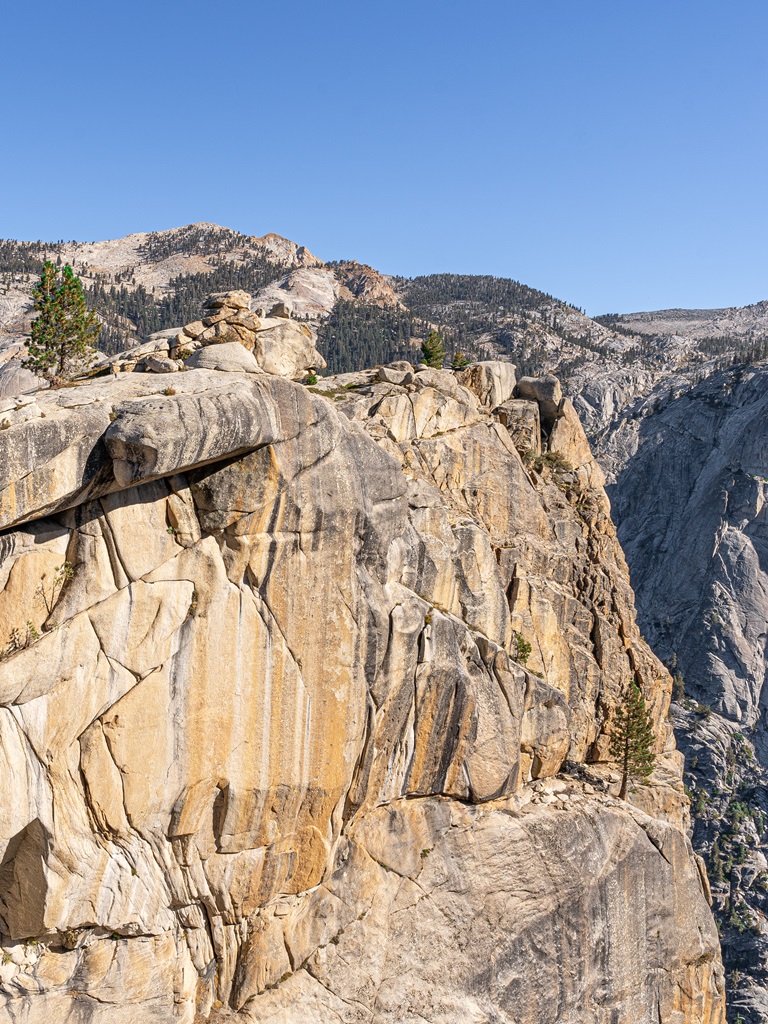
[[268, 749], [706, 587], [279, 344], [691, 505]]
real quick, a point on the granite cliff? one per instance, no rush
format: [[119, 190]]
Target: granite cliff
[[272, 744], [690, 502]]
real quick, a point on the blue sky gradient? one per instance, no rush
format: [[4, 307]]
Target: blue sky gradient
[[613, 154]]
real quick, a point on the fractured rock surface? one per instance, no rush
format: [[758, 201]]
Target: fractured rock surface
[[691, 508], [268, 751]]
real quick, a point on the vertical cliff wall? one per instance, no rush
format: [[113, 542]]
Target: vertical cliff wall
[[691, 508], [269, 748]]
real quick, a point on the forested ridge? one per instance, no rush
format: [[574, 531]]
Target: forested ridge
[[360, 334], [478, 313], [481, 316]]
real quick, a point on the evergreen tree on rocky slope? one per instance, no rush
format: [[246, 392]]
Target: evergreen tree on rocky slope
[[64, 332], [433, 350]]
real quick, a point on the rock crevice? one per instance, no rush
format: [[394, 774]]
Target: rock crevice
[[278, 746]]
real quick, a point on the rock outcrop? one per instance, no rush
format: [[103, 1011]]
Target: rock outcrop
[[280, 345], [274, 344], [273, 743]]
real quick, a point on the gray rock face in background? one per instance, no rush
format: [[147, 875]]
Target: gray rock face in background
[[691, 509], [690, 505], [602, 398]]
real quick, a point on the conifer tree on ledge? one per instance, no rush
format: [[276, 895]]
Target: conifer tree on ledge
[[64, 332], [632, 739], [433, 350]]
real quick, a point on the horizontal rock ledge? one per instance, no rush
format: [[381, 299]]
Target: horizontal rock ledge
[[73, 444]]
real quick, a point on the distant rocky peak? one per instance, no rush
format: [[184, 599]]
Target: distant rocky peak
[[288, 252], [366, 284]]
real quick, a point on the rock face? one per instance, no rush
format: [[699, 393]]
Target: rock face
[[458, 878], [706, 586], [366, 284], [691, 508], [266, 745], [311, 292]]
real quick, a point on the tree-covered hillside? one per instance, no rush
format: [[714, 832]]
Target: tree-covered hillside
[[22, 262], [140, 284], [485, 316], [357, 335]]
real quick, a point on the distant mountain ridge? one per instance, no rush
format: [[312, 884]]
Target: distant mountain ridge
[[150, 281], [698, 323]]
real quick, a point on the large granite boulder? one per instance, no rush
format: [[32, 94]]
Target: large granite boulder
[[493, 383], [15, 379], [286, 348], [547, 392], [231, 357], [231, 300]]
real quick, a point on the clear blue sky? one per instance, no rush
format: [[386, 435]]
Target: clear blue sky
[[612, 153]]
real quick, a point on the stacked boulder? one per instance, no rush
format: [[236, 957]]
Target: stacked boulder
[[151, 356], [227, 317], [229, 337], [279, 345], [561, 425]]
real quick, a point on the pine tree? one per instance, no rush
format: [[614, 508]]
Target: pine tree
[[44, 325], [632, 739], [716, 862], [64, 332], [433, 350]]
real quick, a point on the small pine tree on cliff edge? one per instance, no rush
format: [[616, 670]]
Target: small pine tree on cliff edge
[[632, 739]]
